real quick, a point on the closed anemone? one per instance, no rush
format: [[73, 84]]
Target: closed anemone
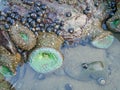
[[8, 62], [50, 40], [22, 37], [44, 60]]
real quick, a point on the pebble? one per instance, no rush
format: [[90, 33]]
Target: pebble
[[101, 81], [85, 65]]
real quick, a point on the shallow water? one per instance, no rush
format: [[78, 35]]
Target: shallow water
[[70, 76]]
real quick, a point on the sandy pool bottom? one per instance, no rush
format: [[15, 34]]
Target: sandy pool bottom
[[70, 73]]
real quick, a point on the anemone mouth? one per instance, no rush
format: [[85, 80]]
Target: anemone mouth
[[22, 36], [103, 43], [5, 71], [44, 60], [114, 24]]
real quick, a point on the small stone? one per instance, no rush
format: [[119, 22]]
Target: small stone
[[101, 81], [104, 42], [85, 65]]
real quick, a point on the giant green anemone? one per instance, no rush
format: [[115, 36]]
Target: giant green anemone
[[103, 41], [5, 71], [113, 24], [8, 62], [44, 60], [46, 57], [22, 36], [49, 40]]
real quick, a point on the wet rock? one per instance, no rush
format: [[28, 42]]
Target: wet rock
[[6, 42]]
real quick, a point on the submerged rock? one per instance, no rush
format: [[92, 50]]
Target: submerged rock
[[94, 68]]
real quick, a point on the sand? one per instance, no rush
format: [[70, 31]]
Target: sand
[[70, 73]]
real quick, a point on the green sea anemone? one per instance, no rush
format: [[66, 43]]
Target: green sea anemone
[[22, 36], [46, 57], [8, 62], [103, 41], [44, 60], [5, 71]]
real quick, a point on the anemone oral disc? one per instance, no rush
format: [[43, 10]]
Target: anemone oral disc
[[44, 60]]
